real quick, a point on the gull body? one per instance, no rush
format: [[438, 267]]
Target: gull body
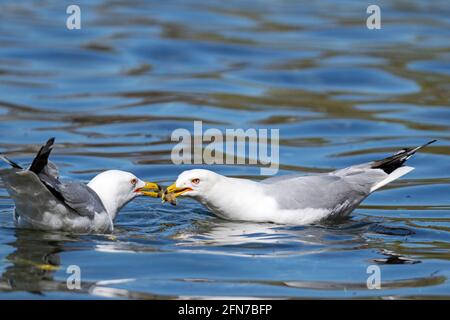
[[44, 202], [291, 199]]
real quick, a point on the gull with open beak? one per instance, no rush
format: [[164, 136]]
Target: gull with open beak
[[290, 199], [44, 202]]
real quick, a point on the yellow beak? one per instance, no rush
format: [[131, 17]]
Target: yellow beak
[[173, 189], [151, 189]]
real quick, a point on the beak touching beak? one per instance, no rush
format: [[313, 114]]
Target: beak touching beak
[[173, 189], [150, 189]]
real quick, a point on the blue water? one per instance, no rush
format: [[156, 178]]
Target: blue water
[[113, 92]]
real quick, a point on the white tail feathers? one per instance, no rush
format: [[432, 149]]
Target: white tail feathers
[[397, 173]]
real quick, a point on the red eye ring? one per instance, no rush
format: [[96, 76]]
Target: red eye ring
[[195, 181], [133, 181]]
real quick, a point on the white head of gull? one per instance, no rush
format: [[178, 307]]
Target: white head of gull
[[116, 188]]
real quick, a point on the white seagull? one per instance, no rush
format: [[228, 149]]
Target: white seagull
[[290, 199], [44, 202]]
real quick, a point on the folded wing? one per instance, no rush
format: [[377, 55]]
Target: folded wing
[[28, 186]]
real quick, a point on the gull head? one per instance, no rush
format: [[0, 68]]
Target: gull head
[[116, 188], [197, 183]]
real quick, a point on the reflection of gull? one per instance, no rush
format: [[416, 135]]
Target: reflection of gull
[[291, 199], [235, 233], [250, 239], [33, 262], [32, 266], [44, 202]]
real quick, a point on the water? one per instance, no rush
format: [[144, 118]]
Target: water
[[113, 92]]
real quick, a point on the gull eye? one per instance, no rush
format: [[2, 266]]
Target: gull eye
[[195, 181], [133, 181]]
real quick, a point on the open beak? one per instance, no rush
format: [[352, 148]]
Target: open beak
[[175, 191], [150, 189]]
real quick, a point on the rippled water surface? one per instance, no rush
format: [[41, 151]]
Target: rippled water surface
[[113, 92]]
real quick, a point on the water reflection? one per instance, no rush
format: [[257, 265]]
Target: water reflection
[[34, 264], [271, 240]]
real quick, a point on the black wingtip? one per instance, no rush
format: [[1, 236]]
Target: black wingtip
[[50, 141], [41, 159], [10, 162], [391, 163], [411, 151]]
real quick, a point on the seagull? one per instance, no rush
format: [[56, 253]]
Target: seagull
[[44, 202], [290, 199]]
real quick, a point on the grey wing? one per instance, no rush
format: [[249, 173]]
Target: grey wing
[[324, 191], [80, 198], [76, 196], [50, 171], [31, 194], [49, 175], [342, 188], [31, 197], [46, 171]]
